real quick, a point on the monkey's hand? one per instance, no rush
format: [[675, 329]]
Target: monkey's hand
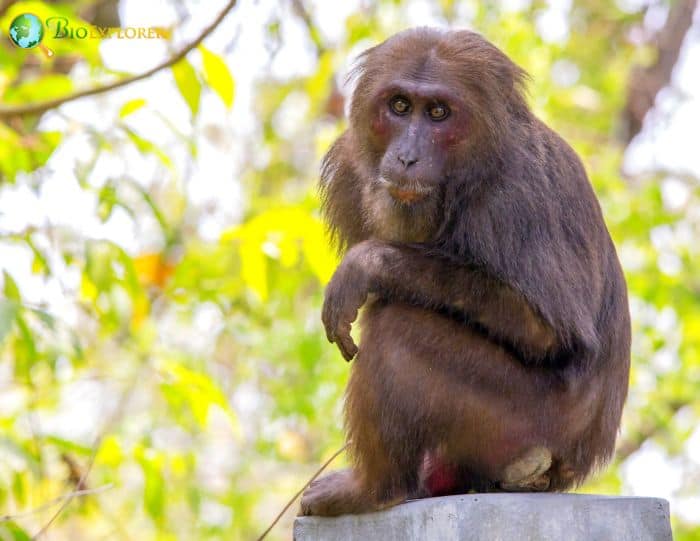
[[345, 294]]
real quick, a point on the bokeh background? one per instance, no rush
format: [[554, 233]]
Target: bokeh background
[[163, 371]]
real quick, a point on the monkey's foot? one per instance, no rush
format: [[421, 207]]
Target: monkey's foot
[[339, 493], [529, 473]]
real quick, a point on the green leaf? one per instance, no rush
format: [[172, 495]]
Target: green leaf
[[147, 147], [108, 198], [42, 88], [199, 391], [46, 318], [217, 75], [8, 312], [131, 106], [188, 84], [39, 263], [154, 484], [25, 152], [11, 290], [25, 351], [68, 445], [11, 531], [19, 491]]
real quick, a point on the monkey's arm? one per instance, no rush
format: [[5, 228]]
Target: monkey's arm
[[411, 274]]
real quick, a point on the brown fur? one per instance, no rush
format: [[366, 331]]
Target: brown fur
[[497, 326]]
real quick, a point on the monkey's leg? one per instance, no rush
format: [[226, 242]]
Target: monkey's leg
[[474, 405], [387, 452], [347, 492]]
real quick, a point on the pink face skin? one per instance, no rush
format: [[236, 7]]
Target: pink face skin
[[416, 125]]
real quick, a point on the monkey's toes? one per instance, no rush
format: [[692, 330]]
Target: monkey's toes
[[331, 495]]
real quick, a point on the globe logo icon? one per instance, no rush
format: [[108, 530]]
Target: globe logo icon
[[26, 31]]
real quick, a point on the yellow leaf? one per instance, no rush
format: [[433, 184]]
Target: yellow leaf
[[254, 267], [141, 309], [88, 290], [294, 233], [217, 75], [152, 269], [201, 392], [187, 83], [110, 452], [131, 106]]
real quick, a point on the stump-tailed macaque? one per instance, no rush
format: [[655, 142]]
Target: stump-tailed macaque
[[495, 330]]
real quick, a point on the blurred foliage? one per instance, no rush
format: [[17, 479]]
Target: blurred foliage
[[190, 376]]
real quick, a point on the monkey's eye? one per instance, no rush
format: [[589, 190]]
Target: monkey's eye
[[399, 105], [438, 111]]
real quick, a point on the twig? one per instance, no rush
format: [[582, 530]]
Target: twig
[[69, 498], [41, 107], [305, 16], [302, 489], [59, 499], [95, 448]]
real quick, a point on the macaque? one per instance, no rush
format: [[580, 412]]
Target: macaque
[[495, 325]]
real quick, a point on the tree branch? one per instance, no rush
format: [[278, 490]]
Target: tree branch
[[41, 107], [646, 82]]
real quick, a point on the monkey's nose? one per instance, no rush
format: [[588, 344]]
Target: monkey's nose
[[407, 162]]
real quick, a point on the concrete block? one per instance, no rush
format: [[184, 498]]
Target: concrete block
[[500, 517]]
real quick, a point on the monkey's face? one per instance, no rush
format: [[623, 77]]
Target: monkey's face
[[414, 126]]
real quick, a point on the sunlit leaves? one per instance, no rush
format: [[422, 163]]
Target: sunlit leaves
[[110, 283], [11, 531], [285, 235], [148, 147], [8, 312], [10, 288], [110, 452], [107, 199], [24, 153], [153, 269], [131, 106], [154, 493], [188, 84], [217, 75], [47, 87], [197, 391]]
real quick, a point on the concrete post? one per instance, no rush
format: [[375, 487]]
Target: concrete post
[[501, 517]]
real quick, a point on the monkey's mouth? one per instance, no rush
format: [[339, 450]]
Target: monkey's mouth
[[408, 194]]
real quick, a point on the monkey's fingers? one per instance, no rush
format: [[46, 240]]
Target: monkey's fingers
[[347, 347], [344, 340], [330, 318]]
